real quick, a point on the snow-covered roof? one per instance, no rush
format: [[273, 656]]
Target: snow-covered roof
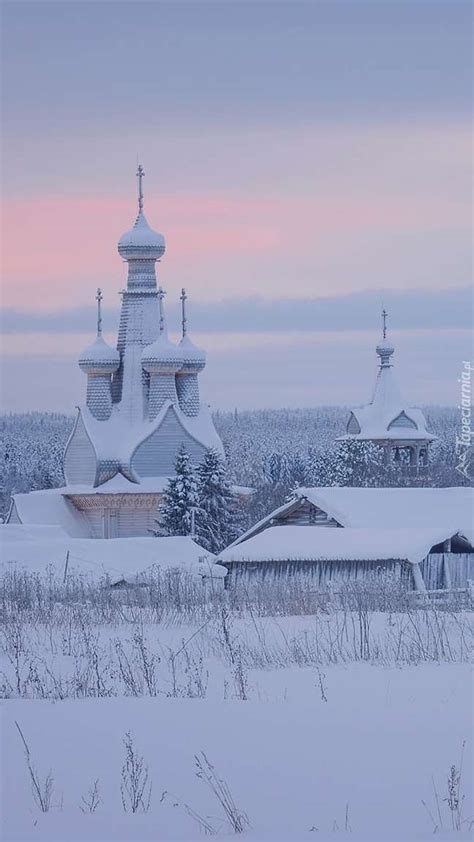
[[99, 354], [387, 416], [449, 509], [115, 440], [387, 405], [311, 543], [164, 351], [193, 357], [50, 508], [141, 241], [120, 485], [119, 558], [13, 532]]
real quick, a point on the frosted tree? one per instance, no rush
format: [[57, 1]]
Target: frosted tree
[[216, 520], [180, 499]]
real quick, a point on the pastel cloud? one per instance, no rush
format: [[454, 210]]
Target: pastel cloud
[[262, 370], [66, 244]]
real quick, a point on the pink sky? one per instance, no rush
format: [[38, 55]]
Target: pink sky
[[321, 150]]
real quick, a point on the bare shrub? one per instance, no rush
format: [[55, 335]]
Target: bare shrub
[[92, 799], [454, 801], [237, 819], [135, 788], [204, 824], [42, 789]]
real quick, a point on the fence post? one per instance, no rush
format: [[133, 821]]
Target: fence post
[[66, 567]]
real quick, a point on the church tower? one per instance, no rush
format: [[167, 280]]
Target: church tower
[[142, 400], [387, 421]]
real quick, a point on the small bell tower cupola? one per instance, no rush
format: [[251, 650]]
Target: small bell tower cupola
[[387, 420], [194, 360], [162, 359], [99, 361]]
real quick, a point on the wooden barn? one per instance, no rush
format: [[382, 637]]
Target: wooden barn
[[423, 535]]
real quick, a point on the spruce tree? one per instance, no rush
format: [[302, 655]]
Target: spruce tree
[[216, 520], [180, 498]]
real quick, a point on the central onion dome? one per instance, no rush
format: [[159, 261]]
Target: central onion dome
[[194, 359], [99, 357], [162, 356], [141, 243]]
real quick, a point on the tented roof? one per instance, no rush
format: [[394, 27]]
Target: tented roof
[[386, 406]]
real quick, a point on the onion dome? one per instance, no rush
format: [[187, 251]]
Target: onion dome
[[141, 243], [194, 358], [99, 356], [162, 356], [385, 350]]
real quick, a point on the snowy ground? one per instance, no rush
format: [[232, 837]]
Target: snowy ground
[[314, 739], [292, 760]]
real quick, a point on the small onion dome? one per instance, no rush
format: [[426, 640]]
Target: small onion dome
[[385, 349], [162, 356], [99, 357], [141, 242], [194, 359]]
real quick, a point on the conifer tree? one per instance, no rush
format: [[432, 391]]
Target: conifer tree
[[216, 520], [180, 498]]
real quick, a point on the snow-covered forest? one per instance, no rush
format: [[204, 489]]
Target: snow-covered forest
[[269, 450]]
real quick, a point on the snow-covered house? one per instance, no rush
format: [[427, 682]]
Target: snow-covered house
[[43, 549], [387, 420], [425, 535], [142, 404]]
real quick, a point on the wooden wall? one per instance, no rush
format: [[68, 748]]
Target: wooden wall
[[80, 462]]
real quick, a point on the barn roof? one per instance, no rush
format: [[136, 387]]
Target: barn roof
[[448, 509], [310, 543]]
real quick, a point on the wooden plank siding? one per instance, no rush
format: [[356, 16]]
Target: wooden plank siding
[[156, 455], [80, 463], [460, 570], [304, 513], [320, 573]]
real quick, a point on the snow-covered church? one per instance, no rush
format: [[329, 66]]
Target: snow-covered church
[[142, 404]]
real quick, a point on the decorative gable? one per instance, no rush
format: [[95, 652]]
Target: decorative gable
[[353, 425], [156, 455], [402, 420]]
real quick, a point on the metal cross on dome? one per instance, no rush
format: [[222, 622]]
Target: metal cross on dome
[[161, 295], [99, 298], [184, 320], [140, 174], [384, 323]]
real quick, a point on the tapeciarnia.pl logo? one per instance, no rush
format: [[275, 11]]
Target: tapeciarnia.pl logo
[[464, 439]]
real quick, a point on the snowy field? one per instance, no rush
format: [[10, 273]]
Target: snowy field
[[324, 718]]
